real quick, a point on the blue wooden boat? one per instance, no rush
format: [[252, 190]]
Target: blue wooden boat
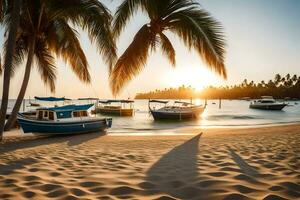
[[69, 119]]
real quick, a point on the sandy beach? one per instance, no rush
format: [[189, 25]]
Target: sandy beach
[[249, 163]]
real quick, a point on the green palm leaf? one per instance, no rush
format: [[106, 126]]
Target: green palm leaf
[[133, 59], [123, 14], [45, 64], [201, 32], [167, 48], [63, 40], [93, 17], [19, 54]]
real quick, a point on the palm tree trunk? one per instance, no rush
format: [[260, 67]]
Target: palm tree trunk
[[8, 61], [12, 118]]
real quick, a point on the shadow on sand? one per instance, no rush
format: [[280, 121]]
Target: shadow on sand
[[242, 164], [34, 141], [174, 171], [10, 167]]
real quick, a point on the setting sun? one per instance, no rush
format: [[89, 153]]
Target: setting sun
[[197, 77]]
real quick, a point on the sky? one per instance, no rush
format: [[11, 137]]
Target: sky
[[262, 40]]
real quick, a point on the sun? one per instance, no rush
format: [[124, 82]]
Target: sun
[[194, 76]]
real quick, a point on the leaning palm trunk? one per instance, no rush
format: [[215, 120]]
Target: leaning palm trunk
[[12, 118], [8, 61]]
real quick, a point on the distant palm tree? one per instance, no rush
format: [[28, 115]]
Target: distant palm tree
[[185, 18], [283, 80], [288, 77], [277, 79], [44, 32], [294, 78], [271, 84], [14, 8]]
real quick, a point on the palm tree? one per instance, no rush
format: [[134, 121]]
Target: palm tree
[[193, 25], [294, 78], [14, 8], [283, 81], [44, 31], [277, 79], [288, 77]]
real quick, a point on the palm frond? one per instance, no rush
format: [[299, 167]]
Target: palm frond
[[172, 6], [201, 32], [93, 17], [63, 40], [20, 53], [2, 9], [133, 59], [126, 10], [45, 63], [5, 9], [167, 48]]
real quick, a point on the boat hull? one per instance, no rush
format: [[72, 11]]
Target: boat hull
[[74, 127], [119, 112], [268, 107], [158, 115]]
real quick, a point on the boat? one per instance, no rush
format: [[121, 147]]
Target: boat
[[108, 107], [31, 104], [89, 99], [245, 98], [52, 98], [267, 103], [68, 119], [32, 112], [179, 111]]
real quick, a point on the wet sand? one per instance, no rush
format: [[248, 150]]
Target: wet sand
[[252, 163]]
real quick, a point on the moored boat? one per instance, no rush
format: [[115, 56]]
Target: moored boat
[[69, 119], [32, 104], [267, 103], [123, 107], [179, 111]]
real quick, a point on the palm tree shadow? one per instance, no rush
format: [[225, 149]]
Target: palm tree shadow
[[35, 141], [10, 167], [175, 170], [242, 164]]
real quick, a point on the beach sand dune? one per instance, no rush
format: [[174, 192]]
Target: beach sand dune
[[257, 163]]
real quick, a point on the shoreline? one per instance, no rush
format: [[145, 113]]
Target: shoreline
[[255, 163], [165, 132], [170, 131]]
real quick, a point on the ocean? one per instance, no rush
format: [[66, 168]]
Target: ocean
[[233, 113]]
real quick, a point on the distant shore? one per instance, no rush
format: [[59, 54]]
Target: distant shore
[[188, 99], [245, 163]]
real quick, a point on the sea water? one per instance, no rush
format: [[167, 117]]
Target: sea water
[[233, 113]]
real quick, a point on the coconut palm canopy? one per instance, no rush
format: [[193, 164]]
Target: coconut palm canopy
[[50, 24], [44, 31], [185, 18]]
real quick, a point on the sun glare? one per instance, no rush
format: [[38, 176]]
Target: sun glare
[[196, 77]]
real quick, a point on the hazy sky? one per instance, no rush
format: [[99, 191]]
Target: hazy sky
[[262, 40]]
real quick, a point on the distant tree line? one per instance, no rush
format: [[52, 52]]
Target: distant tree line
[[281, 87]]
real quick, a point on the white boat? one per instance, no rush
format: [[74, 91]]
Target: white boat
[[179, 111], [267, 103]]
